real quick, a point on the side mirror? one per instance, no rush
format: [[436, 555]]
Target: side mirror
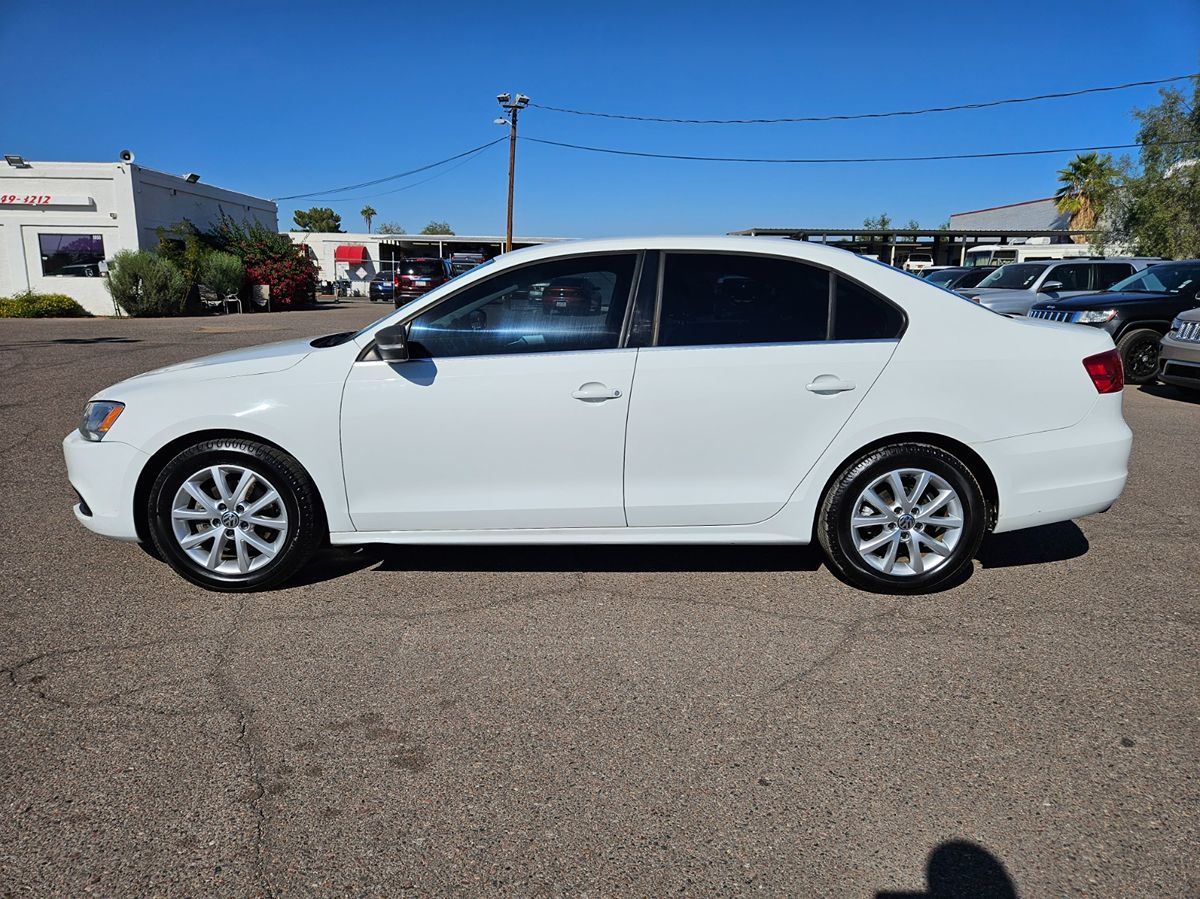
[[392, 343], [1050, 286]]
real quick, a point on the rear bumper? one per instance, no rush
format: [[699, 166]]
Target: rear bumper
[[104, 475], [1059, 475]]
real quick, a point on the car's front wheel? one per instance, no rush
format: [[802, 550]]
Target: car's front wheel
[[905, 518], [234, 515], [1139, 355]]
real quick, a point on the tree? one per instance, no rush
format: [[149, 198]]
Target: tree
[[269, 258], [368, 213], [913, 225], [391, 228], [319, 218], [1159, 208], [437, 228], [1086, 184], [878, 224]]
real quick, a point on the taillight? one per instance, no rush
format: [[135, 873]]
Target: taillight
[[1106, 371]]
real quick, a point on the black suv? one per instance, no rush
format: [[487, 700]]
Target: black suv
[[1137, 312]]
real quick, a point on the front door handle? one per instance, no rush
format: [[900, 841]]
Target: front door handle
[[826, 385], [595, 392]]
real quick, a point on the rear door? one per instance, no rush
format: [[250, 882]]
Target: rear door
[[746, 372]]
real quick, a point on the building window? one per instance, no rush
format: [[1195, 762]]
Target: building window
[[71, 255]]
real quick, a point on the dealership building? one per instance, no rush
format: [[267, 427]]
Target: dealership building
[[60, 221]]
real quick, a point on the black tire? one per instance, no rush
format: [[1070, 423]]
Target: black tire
[[1139, 355], [835, 535], [305, 531]]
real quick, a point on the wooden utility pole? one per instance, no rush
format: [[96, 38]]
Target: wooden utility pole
[[512, 107]]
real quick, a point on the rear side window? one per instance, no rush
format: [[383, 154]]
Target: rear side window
[[1110, 273], [724, 298], [861, 315]]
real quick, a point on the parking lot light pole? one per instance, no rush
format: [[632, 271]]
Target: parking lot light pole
[[511, 107]]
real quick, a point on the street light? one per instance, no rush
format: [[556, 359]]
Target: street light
[[511, 107], [17, 162]]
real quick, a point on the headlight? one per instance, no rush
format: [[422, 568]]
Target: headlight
[[1096, 316], [1176, 325], [98, 417]]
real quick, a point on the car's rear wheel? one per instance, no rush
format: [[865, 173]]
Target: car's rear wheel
[[1139, 355], [906, 518], [234, 515]]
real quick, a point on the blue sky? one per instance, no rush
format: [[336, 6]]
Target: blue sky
[[282, 98]]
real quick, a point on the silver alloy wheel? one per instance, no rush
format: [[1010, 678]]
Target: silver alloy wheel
[[907, 522], [229, 519]]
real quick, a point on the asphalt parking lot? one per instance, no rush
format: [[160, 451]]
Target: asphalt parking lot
[[634, 720]]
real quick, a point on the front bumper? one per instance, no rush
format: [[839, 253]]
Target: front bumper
[[105, 475], [1058, 475], [1179, 362]]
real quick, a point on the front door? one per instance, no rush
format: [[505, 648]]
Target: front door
[[746, 383], [511, 413]]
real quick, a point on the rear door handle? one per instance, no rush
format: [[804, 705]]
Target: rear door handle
[[595, 392], [828, 385]]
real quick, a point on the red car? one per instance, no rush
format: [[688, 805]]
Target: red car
[[571, 295], [414, 277]]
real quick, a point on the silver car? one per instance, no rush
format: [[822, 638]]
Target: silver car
[[1012, 289], [1179, 357]]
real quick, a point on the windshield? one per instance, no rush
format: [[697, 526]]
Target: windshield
[[942, 276], [1162, 279], [1018, 276]]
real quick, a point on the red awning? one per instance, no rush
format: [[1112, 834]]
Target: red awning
[[350, 254]]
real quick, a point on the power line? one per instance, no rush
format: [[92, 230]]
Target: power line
[[362, 184], [994, 155], [396, 190], [870, 115]]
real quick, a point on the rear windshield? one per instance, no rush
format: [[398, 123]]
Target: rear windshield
[[942, 276], [1018, 276], [422, 268]]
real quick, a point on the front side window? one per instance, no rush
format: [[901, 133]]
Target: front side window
[[71, 255], [1072, 277], [555, 306], [723, 298]]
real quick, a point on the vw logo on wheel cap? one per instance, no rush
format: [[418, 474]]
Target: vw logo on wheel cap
[[230, 519], [905, 522]]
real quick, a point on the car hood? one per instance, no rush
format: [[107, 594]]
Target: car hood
[[255, 360], [1105, 300]]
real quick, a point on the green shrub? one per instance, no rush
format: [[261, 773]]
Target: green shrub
[[223, 272], [142, 283], [41, 305]]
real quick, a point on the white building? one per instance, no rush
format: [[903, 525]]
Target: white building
[[357, 257], [60, 220]]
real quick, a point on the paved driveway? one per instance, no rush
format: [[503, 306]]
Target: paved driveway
[[601, 720]]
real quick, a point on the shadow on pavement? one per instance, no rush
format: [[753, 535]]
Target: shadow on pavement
[[1033, 546], [1171, 392], [335, 562], [961, 870]]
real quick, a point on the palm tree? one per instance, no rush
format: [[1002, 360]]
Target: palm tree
[[1085, 184], [368, 214]]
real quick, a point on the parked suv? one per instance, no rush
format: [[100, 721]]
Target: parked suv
[[1137, 312], [1012, 289], [416, 277], [918, 261], [1179, 355]]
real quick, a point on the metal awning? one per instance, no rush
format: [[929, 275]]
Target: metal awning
[[350, 254]]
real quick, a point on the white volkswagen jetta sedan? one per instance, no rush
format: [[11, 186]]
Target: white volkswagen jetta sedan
[[665, 390]]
